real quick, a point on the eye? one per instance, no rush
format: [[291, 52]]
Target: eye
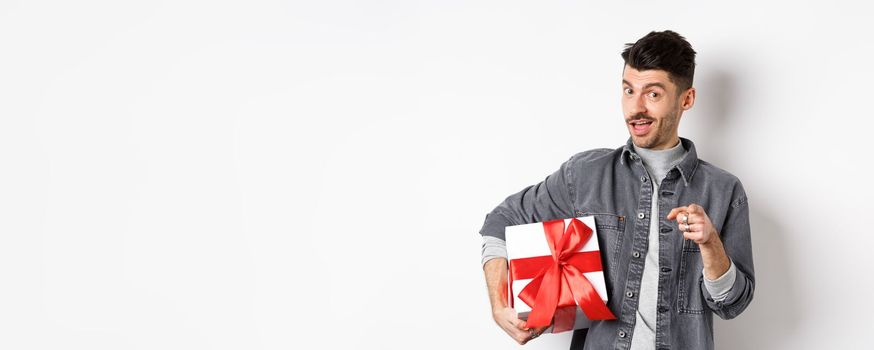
[[653, 94], [628, 91]]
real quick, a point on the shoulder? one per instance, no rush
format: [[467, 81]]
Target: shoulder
[[721, 179], [715, 174], [595, 156]]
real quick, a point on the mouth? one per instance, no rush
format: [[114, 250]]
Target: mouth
[[640, 127]]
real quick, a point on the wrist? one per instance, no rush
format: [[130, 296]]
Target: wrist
[[497, 309], [499, 313], [714, 258]]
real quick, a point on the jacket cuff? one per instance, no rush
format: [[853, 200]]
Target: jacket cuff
[[495, 225], [731, 297]]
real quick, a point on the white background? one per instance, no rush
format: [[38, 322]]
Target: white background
[[313, 174]]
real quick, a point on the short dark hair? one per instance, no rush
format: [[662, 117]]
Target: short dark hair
[[667, 51]]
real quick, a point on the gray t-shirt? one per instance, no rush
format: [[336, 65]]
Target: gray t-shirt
[[657, 164]]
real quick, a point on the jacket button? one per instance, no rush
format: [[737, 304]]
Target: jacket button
[[640, 215], [636, 254], [643, 178], [629, 294], [666, 269], [621, 334]]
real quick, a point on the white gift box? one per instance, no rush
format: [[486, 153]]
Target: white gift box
[[529, 240]]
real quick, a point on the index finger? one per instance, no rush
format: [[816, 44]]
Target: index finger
[[676, 211]]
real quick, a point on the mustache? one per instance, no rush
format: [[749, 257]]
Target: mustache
[[639, 116]]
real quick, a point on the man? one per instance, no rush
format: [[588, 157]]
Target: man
[[673, 229]]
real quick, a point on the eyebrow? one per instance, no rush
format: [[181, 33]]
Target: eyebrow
[[647, 85]]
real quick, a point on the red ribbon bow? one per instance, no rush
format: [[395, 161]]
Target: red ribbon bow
[[558, 280]]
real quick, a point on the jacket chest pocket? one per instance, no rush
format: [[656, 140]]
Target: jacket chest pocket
[[690, 300], [610, 229]]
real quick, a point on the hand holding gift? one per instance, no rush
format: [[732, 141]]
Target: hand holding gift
[[508, 320]]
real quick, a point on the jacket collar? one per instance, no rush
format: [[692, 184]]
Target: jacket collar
[[686, 167]]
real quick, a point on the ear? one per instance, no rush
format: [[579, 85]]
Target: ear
[[688, 99]]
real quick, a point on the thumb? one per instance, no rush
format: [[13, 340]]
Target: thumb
[[676, 211], [521, 324]]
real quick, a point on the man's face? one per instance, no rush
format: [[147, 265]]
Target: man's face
[[652, 107]]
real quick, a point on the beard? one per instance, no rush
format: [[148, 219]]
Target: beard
[[661, 133]]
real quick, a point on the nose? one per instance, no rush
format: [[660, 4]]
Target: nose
[[636, 106]]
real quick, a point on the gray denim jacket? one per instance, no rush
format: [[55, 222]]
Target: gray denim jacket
[[612, 185]]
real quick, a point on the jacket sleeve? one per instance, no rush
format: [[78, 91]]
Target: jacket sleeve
[[735, 237], [548, 200]]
